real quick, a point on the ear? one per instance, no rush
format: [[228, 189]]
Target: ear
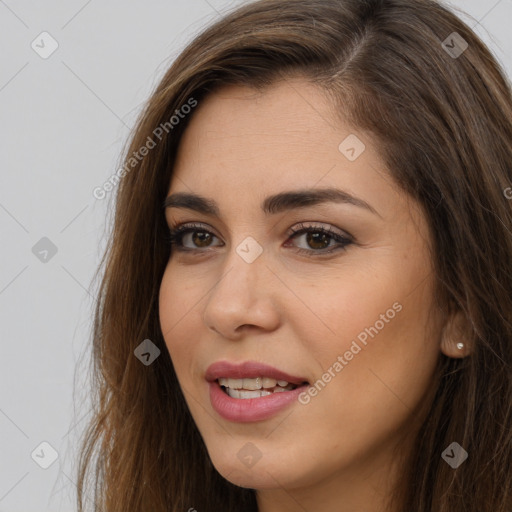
[[456, 331]]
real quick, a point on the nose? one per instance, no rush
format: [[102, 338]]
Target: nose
[[245, 297]]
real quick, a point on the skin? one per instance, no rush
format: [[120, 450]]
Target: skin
[[299, 312]]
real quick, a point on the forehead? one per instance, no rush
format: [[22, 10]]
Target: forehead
[[288, 113], [242, 145]]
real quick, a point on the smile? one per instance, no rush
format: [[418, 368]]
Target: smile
[[251, 391], [252, 405], [254, 388]]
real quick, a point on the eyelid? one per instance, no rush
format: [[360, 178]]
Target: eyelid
[[310, 225], [296, 228], [190, 227]]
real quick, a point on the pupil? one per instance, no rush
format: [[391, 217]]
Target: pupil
[[316, 237], [201, 237]]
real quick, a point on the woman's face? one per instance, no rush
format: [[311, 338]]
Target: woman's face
[[350, 319]]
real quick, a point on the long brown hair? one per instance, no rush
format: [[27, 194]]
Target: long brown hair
[[441, 116]]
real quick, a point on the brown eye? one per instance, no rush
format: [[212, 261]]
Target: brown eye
[[200, 238], [318, 239], [190, 237]]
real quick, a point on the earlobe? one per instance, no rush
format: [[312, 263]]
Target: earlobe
[[456, 336]]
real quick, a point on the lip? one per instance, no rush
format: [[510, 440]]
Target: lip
[[250, 409], [249, 370]]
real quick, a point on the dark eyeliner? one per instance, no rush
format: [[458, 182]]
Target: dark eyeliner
[[343, 241], [174, 238]]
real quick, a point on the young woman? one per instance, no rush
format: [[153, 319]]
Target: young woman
[[307, 299]]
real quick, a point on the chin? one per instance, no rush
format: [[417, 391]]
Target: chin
[[250, 468], [252, 478]]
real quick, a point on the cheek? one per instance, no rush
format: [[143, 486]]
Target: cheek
[[167, 307], [382, 333], [178, 314], [179, 299], [388, 379], [337, 311]]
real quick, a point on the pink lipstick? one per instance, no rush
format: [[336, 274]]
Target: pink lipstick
[[251, 391]]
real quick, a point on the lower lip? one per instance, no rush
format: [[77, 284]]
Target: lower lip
[[244, 410]]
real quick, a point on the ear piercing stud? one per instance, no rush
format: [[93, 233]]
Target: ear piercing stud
[[460, 346]]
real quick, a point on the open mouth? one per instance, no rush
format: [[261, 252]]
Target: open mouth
[[255, 387]]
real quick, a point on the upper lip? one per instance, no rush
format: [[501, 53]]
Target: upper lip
[[249, 370]]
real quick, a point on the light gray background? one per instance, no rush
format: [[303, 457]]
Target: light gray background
[[64, 121]]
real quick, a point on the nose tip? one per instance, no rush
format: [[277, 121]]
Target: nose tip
[[243, 299]]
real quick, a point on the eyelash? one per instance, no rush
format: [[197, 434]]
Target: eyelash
[[175, 235]]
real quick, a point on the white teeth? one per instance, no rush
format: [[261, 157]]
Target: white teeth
[[252, 384], [236, 393], [232, 383], [269, 382], [254, 388]]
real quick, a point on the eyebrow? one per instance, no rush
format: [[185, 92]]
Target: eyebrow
[[272, 205]]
